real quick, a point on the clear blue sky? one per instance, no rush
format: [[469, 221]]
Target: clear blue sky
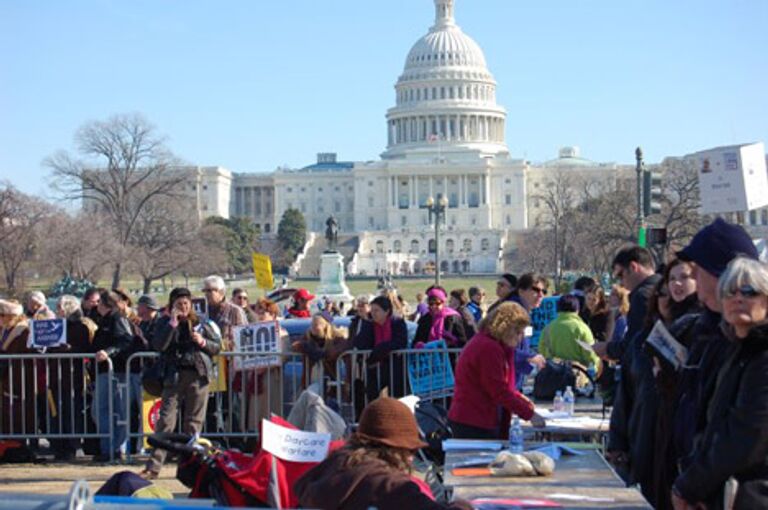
[[251, 85]]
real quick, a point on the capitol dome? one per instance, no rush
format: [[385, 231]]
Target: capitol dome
[[446, 96]]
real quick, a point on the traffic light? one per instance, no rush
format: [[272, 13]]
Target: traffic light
[[655, 236], [651, 192]]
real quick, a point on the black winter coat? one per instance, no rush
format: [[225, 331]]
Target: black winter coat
[[179, 351], [115, 337], [638, 309], [453, 324], [378, 371], [735, 441]]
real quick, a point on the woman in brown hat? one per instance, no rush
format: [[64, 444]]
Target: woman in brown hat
[[373, 468]]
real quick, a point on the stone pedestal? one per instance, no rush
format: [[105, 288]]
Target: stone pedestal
[[332, 283]]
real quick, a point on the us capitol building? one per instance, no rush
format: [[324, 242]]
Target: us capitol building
[[445, 140]]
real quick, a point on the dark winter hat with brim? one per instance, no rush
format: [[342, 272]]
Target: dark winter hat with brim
[[179, 292], [390, 422], [716, 245]]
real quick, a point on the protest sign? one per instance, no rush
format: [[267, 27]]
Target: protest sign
[[542, 316], [294, 445], [200, 306], [47, 333], [262, 270], [258, 338], [430, 373], [732, 178]]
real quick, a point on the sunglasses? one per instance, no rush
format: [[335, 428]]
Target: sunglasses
[[539, 290], [746, 291], [434, 302]]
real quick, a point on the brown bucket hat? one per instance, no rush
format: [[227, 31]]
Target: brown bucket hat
[[390, 422]]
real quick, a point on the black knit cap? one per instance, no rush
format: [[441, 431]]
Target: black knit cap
[[512, 279]]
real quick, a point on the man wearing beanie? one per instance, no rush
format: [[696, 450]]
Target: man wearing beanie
[[373, 469], [711, 250]]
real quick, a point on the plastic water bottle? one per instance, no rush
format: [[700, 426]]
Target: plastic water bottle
[[569, 401], [558, 405], [516, 438]]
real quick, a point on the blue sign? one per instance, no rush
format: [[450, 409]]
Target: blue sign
[[430, 373], [542, 316], [48, 333]]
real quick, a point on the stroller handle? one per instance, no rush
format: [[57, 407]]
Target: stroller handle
[[172, 442]]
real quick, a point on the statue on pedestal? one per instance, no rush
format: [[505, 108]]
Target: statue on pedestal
[[332, 233]]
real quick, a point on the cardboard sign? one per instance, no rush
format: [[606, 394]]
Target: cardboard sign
[[542, 316], [47, 333], [262, 337], [200, 306], [262, 270], [732, 178], [430, 374], [294, 445]]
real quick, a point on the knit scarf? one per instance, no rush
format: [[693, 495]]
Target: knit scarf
[[437, 331], [382, 332]]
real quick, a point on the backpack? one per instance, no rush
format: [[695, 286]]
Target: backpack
[[556, 377]]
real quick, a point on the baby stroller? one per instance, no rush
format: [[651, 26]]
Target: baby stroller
[[234, 478]]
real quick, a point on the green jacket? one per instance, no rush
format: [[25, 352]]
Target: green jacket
[[558, 340]]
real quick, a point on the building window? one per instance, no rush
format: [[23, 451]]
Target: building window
[[764, 216], [508, 199], [337, 206], [431, 246], [289, 189], [267, 228], [370, 184], [509, 219], [507, 181], [370, 201], [484, 244], [303, 190], [403, 221], [467, 245], [397, 246], [449, 245], [370, 221], [379, 246]]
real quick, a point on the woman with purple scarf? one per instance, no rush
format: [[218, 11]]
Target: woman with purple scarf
[[441, 323]]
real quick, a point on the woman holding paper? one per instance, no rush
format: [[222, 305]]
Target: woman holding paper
[[187, 346], [729, 466], [485, 378]]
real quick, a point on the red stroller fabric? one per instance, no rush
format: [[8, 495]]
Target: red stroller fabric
[[263, 477]]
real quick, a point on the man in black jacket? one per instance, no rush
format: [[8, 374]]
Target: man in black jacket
[[628, 439]]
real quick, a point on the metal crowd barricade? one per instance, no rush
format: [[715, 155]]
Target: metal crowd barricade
[[47, 396], [427, 373], [255, 386]]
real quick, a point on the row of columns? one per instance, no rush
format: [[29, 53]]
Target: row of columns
[[427, 128], [482, 188], [475, 92], [247, 198]]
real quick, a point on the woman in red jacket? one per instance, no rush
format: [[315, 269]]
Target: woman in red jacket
[[485, 378]]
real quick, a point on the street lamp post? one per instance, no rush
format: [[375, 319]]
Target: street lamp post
[[437, 211], [640, 215]]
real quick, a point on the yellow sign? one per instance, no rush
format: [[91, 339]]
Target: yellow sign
[[150, 413], [262, 269]]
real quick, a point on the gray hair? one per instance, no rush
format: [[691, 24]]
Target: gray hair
[[363, 299], [215, 282], [743, 271], [68, 304], [37, 296]]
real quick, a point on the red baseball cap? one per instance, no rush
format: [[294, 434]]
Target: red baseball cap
[[303, 294]]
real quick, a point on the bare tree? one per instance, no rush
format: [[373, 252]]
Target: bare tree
[[164, 240], [80, 246], [20, 219], [559, 198], [126, 164]]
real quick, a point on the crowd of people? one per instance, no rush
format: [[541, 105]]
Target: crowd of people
[[690, 429]]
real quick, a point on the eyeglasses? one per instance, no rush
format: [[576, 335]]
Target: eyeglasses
[[241, 297], [210, 290], [539, 290], [746, 291], [434, 302]]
